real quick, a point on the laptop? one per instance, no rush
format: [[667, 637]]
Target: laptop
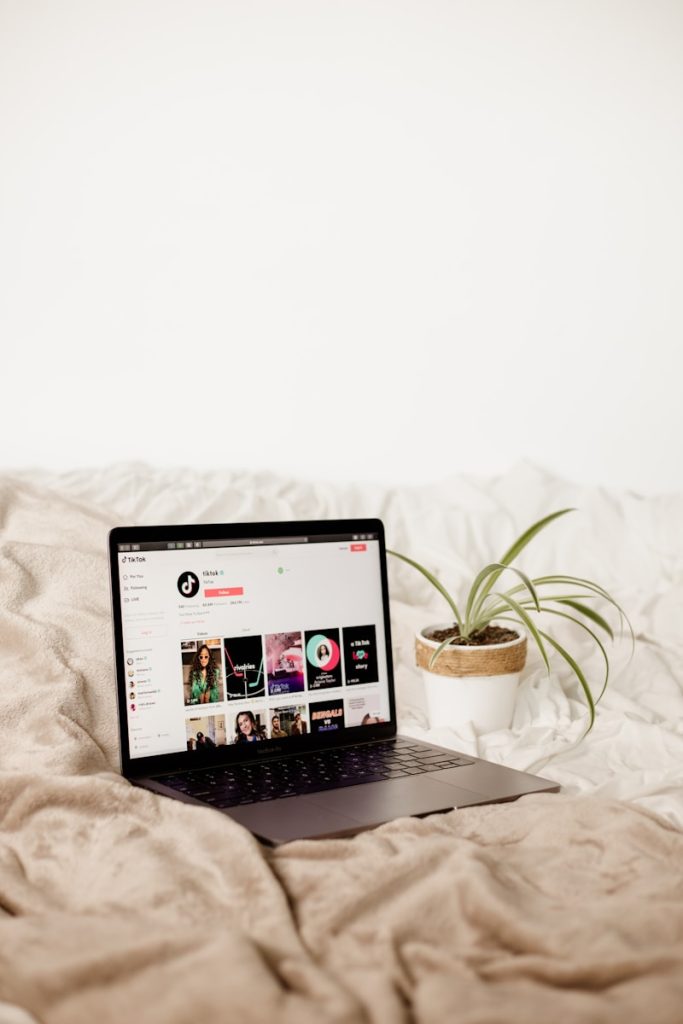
[[254, 676]]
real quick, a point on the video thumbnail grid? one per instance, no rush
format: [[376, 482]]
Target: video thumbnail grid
[[287, 675]]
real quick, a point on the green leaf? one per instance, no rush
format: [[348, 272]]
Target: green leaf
[[434, 581], [527, 621], [590, 613], [577, 622], [472, 602], [520, 544], [580, 594], [579, 675], [442, 646], [572, 600], [597, 589], [529, 534], [495, 611]]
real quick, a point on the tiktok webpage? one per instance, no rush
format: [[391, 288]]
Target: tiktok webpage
[[249, 644]]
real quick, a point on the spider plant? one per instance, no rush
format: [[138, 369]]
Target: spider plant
[[558, 594]]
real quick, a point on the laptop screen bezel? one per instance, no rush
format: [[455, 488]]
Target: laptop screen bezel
[[163, 764]]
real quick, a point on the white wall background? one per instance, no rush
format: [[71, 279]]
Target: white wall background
[[344, 239]]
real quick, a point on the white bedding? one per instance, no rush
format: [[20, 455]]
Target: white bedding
[[633, 546]]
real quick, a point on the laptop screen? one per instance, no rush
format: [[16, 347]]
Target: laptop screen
[[270, 637]]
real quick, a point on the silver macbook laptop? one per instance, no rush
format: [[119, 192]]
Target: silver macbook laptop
[[254, 675]]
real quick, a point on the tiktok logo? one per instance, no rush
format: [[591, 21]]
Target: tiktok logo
[[188, 584]]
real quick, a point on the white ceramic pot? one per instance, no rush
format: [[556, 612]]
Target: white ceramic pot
[[471, 684]]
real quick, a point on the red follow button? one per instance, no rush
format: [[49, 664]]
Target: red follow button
[[224, 592], [359, 547]]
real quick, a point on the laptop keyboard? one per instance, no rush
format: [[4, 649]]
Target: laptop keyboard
[[230, 785]]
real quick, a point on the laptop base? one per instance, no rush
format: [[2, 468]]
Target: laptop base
[[344, 812]]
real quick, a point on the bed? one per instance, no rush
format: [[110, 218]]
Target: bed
[[118, 904]]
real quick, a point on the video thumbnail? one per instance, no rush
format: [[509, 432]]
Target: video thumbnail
[[285, 663], [244, 675], [327, 716], [205, 733], [363, 709], [323, 659], [249, 727], [360, 655], [288, 721], [202, 671]]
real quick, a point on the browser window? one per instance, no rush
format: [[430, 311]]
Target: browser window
[[251, 641]]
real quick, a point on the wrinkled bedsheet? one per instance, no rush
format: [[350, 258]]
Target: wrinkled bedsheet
[[118, 903]]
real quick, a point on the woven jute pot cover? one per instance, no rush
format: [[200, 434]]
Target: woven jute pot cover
[[493, 660]]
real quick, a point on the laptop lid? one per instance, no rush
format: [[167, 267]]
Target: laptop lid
[[244, 641]]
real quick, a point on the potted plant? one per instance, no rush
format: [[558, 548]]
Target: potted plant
[[471, 666]]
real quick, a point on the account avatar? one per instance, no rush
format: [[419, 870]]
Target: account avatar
[[323, 655]]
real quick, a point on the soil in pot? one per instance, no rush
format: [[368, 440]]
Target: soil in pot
[[482, 638]]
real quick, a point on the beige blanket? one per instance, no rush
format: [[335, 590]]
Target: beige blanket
[[121, 905], [129, 906]]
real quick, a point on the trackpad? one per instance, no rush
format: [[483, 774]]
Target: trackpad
[[376, 802], [280, 821]]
